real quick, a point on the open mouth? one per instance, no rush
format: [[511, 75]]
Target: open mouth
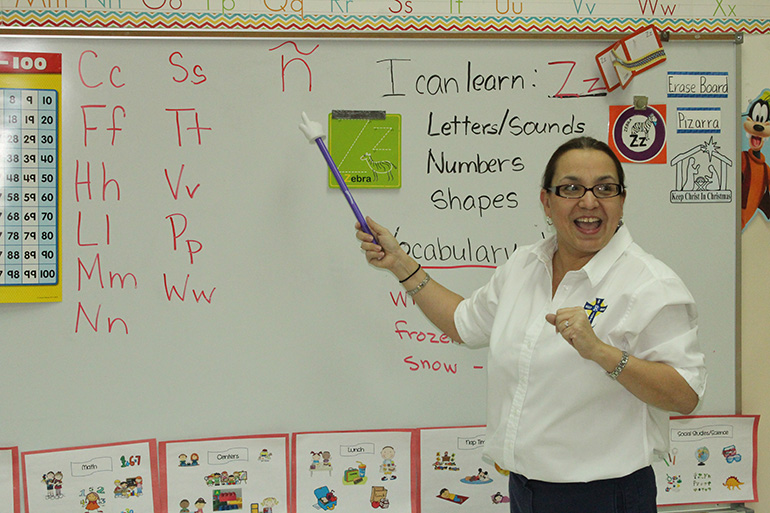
[[756, 142], [588, 224]]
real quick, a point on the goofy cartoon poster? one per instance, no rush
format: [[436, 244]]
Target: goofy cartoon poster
[[754, 169]]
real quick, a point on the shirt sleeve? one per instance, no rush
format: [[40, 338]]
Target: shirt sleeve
[[475, 315], [663, 327]]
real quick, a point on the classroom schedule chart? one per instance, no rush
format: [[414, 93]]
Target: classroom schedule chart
[[29, 187]]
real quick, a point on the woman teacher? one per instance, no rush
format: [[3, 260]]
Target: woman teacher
[[592, 342]]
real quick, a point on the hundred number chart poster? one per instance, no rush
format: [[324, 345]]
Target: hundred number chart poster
[[30, 152], [111, 478], [9, 479], [246, 474], [351, 472]]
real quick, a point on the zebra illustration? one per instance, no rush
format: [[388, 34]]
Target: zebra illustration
[[644, 127], [379, 167]]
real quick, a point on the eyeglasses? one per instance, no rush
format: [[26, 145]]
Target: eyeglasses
[[576, 191]]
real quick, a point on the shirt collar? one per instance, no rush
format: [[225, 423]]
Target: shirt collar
[[598, 266]]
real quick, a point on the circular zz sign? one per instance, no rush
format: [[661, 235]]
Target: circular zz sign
[[639, 135]]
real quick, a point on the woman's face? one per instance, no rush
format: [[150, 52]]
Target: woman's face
[[585, 225]]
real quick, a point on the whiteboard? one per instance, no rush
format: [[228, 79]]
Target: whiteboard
[[283, 326]]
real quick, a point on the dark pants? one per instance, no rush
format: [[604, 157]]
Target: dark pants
[[634, 493]]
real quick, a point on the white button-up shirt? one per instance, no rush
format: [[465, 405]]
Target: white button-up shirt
[[552, 415]]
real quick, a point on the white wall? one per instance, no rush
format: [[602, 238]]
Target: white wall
[[755, 282]]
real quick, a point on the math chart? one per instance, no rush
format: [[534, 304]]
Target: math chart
[[110, 478], [30, 106]]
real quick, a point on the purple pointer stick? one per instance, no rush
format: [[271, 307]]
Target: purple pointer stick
[[314, 132], [344, 188]]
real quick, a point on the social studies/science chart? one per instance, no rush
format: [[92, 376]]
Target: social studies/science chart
[[711, 459], [246, 473]]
